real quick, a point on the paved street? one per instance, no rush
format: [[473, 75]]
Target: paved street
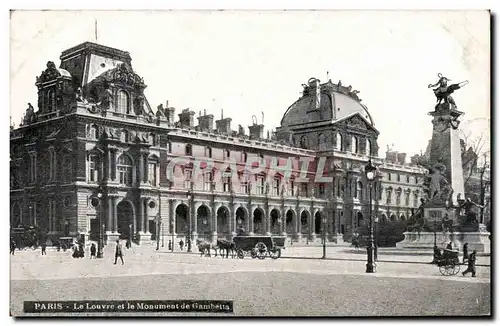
[[258, 287]]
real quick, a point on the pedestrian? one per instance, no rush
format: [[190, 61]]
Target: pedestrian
[[12, 246], [169, 244], [118, 251], [188, 244], [81, 251], [92, 250], [437, 255], [471, 265], [128, 244], [181, 244], [466, 252], [44, 248]]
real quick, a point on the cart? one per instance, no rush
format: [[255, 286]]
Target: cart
[[449, 263], [259, 246]]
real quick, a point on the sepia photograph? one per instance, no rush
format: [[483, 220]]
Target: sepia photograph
[[250, 163]]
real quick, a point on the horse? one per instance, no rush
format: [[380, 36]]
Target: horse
[[205, 246], [227, 245]]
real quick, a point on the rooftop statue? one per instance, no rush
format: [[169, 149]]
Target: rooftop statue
[[443, 91]]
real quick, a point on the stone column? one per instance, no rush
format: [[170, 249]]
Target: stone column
[[267, 220], [145, 216], [194, 220], [250, 220], [213, 225], [145, 172]]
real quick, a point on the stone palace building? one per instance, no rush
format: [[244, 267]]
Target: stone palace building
[[93, 158]]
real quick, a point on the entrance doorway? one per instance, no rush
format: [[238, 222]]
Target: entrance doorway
[[125, 219]]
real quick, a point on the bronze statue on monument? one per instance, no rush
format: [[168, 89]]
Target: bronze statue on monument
[[443, 91]]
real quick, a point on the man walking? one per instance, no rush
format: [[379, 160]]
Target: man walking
[[466, 251], [44, 248], [12, 246], [471, 268], [118, 251], [92, 250]]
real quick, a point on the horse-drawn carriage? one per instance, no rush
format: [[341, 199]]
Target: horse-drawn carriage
[[449, 263], [259, 246]]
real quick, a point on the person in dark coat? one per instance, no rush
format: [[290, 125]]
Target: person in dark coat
[[181, 244], [128, 244], [437, 255], [81, 251], [188, 244], [466, 251], [92, 251], [169, 244], [118, 251], [471, 265], [44, 248], [12, 246]]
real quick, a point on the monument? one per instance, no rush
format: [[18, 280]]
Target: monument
[[444, 214]]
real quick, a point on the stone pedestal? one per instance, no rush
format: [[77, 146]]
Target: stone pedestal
[[425, 240]]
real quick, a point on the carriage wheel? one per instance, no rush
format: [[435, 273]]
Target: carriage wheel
[[275, 253], [442, 270], [261, 250], [240, 254], [253, 253], [221, 252], [456, 269]]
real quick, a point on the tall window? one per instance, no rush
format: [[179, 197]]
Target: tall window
[[244, 184], [407, 198], [260, 185], [67, 168], [389, 196], [93, 171], [154, 141], [169, 147], [304, 190], [415, 199], [321, 189], [52, 164], [227, 153], [292, 187], [189, 150], [93, 133], [398, 196], [380, 191], [207, 181], [208, 152], [276, 187], [338, 144], [321, 142], [416, 180], [389, 176], [124, 168], [354, 144], [226, 182], [407, 179], [188, 174], [123, 102], [51, 101], [399, 177], [359, 190], [244, 157], [32, 169], [368, 147], [152, 165], [125, 136]]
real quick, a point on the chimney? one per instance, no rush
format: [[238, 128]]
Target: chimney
[[186, 118], [256, 131], [206, 122], [401, 158], [170, 115], [391, 156], [223, 125]]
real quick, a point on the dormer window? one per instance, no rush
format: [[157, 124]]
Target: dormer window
[[338, 144], [208, 152], [368, 147], [123, 102]]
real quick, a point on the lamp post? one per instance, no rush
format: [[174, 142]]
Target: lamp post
[[376, 238], [370, 176], [99, 204], [189, 196], [435, 229], [324, 236], [158, 225]]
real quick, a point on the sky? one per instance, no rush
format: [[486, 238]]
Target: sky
[[249, 62]]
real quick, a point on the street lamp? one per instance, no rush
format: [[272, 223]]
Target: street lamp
[[97, 203], [435, 229], [376, 237], [189, 196], [324, 236], [158, 225], [370, 171]]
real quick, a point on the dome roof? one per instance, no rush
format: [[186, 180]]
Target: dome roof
[[336, 103]]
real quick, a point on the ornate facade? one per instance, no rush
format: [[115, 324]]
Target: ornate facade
[[95, 136]]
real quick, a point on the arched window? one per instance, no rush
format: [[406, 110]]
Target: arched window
[[124, 167], [354, 144], [123, 102], [338, 144], [321, 142], [368, 147]]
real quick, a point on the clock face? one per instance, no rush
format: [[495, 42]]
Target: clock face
[[370, 175]]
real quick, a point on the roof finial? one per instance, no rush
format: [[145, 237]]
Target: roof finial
[[221, 114], [263, 117], [327, 76], [95, 30]]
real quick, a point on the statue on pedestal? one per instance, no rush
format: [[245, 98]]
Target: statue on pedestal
[[437, 187], [417, 222], [467, 209], [443, 91]]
